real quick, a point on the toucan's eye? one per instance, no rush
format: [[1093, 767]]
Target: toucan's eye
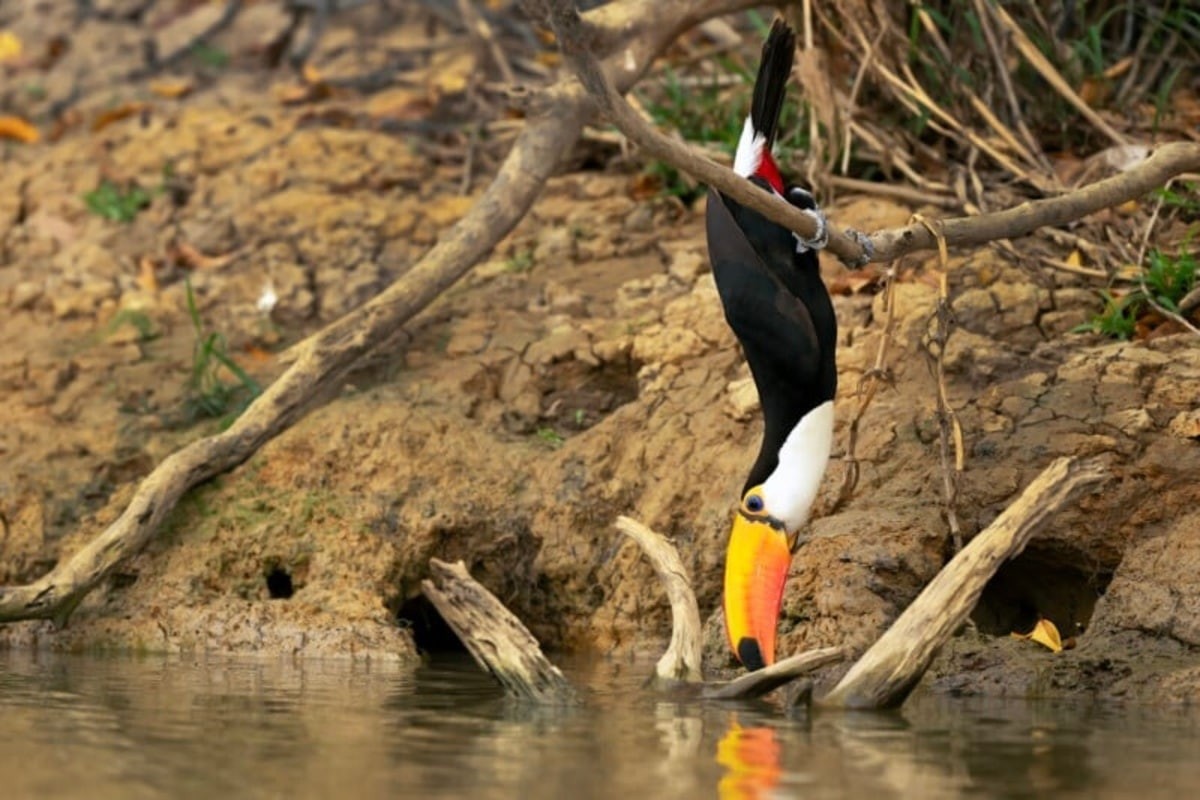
[[754, 503]]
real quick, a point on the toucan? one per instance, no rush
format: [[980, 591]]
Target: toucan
[[770, 286]]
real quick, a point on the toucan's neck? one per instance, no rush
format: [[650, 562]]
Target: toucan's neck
[[791, 487]]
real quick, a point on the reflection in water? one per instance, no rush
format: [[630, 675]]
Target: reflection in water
[[150, 728], [752, 757]]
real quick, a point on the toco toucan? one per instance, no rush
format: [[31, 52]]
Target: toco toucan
[[779, 309]]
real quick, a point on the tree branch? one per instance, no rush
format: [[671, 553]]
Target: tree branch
[[853, 248]]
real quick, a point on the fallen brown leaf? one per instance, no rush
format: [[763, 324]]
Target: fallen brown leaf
[[115, 114], [258, 354], [183, 253]]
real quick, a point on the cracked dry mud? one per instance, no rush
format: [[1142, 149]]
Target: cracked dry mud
[[585, 371]]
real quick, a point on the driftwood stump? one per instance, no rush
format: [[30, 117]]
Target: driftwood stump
[[889, 670], [494, 636]]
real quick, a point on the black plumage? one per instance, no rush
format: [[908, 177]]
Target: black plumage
[[780, 311], [770, 86], [773, 295]]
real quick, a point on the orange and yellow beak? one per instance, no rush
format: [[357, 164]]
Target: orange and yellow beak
[[756, 566]]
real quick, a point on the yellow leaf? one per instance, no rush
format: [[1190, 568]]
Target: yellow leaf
[[1075, 259], [10, 46], [147, 279], [171, 89], [19, 129], [1045, 634]]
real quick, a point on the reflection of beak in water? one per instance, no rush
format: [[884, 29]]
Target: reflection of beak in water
[[751, 756]]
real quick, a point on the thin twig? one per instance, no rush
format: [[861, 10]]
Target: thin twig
[[761, 681], [896, 190], [482, 33], [949, 427], [868, 384]]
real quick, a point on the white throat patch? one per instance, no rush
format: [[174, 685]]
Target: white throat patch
[[789, 492]]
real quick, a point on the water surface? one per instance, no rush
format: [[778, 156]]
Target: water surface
[[119, 727]]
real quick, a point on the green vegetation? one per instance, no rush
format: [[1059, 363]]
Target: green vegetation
[[210, 56], [1124, 56], [207, 394], [1164, 282], [520, 262], [135, 319], [110, 201], [1186, 202], [550, 437]]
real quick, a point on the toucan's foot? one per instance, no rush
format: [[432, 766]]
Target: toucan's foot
[[820, 238]]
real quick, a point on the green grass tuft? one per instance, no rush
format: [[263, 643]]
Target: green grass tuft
[[114, 203], [1165, 281], [207, 394]]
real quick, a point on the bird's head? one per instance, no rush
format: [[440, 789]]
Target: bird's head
[[756, 565], [766, 526]]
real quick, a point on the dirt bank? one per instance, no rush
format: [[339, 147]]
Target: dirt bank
[[584, 372]]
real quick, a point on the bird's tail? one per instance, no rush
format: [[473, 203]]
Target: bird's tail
[[771, 84]]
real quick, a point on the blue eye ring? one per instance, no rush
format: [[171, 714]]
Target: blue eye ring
[[754, 503]]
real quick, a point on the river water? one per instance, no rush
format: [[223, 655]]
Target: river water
[[122, 727]]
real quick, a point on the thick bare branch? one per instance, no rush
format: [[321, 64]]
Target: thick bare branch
[[889, 670], [1166, 161]]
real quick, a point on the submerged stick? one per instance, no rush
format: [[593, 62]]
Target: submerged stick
[[494, 636], [890, 669], [761, 681], [681, 662]]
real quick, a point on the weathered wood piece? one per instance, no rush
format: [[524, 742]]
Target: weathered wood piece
[[767, 679], [494, 636], [888, 671], [681, 662]]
